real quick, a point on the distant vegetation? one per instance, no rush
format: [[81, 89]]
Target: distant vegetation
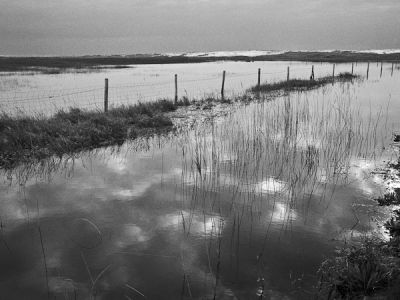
[[65, 64]]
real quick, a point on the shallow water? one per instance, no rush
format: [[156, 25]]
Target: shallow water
[[47, 93], [241, 205]]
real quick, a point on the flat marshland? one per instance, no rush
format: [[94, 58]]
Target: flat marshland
[[25, 138], [269, 194]]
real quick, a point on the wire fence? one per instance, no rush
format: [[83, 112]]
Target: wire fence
[[48, 100]]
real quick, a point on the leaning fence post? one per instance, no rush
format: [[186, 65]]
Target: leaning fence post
[[223, 85], [368, 70], [288, 73], [259, 78], [106, 95]]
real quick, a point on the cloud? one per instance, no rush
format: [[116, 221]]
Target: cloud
[[126, 26]]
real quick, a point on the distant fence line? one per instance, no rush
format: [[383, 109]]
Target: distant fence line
[[107, 87]]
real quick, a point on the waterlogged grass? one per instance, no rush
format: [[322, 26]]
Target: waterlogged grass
[[288, 154], [295, 84], [294, 145], [26, 138]]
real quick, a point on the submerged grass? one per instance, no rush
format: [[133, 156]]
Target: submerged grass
[[31, 138]]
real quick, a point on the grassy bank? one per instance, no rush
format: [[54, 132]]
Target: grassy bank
[[26, 138], [64, 64]]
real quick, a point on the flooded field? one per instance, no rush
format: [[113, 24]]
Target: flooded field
[[244, 206], [34, 93]]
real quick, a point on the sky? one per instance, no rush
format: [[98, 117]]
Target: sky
[[76, 27]]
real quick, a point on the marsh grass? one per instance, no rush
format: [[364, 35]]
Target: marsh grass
[[25, 138], [359, 271], [301, 84], [296, 143], [268, 161]]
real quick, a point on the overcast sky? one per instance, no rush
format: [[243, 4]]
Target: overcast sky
[[76, 27]]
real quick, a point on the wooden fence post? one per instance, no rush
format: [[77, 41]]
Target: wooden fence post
[[368, 70], [352, 68], [333, 72], [392, 68], [106, 95], [223, 84], [381, 68], [288, 73], [176, 88], [259, 78], [312, 73]]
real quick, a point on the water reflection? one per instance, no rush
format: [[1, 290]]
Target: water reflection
[[238, 208]]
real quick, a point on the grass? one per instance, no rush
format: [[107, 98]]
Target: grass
[[288, 154], [28, 138], [25, 138], [371, 269], [295, 84]]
